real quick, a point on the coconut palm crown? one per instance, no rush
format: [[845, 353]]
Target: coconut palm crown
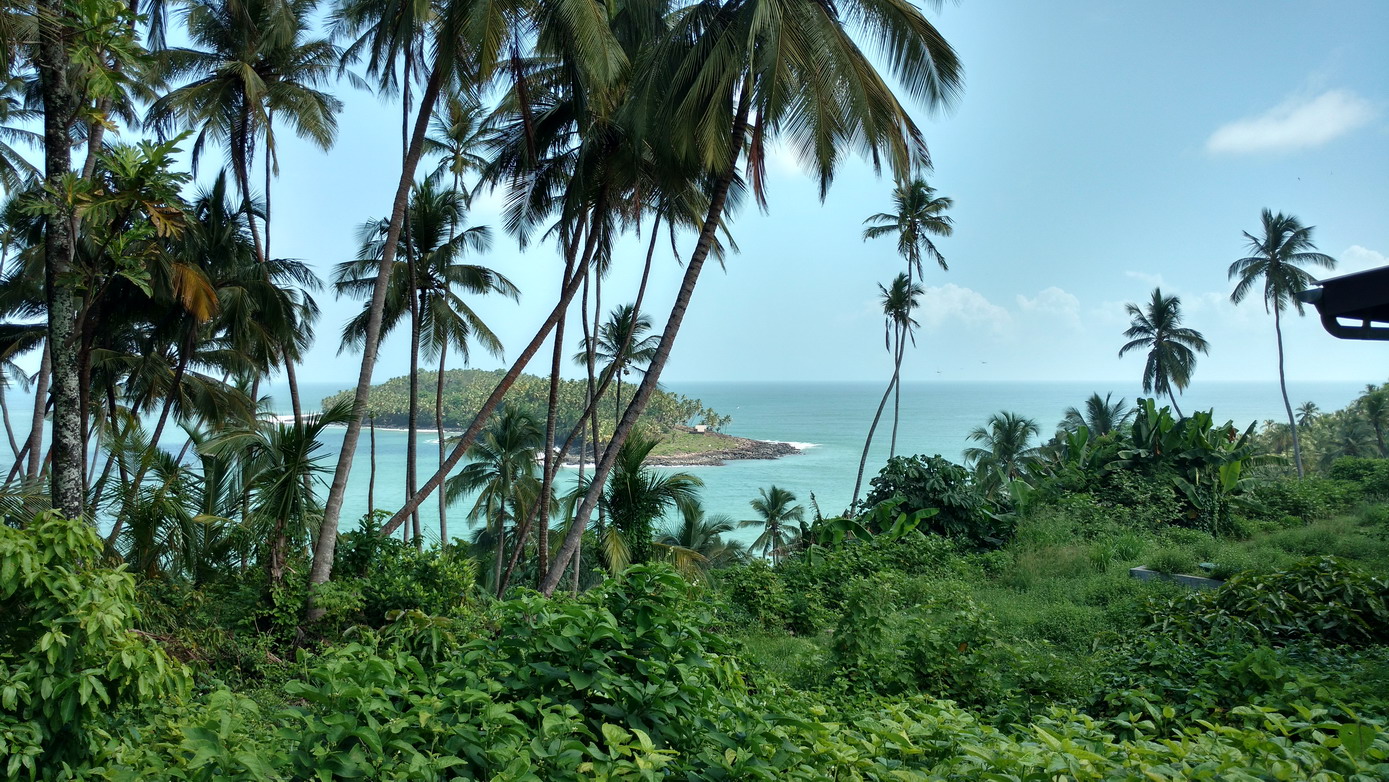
[[1172, 347]]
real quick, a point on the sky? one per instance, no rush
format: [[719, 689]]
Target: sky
[[1099, 150]]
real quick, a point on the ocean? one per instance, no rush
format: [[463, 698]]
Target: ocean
[[827, 420]]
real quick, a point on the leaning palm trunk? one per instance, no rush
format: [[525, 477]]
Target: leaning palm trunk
[[439, 430], [868, 442], [35, 446], [653, 373], [896, 392], [325, 545], [470, 436], [541, 510], [549, 464], [1283, 384]]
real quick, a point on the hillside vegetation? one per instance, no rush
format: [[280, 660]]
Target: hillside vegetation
[[466, 389]]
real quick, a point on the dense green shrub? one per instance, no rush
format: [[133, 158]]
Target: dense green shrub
[[1371, 474], [69, 652], [830, 572], [933, 482], [755, 594], [1318, 598], [1206, 682], [376, 575], [1308, 499]]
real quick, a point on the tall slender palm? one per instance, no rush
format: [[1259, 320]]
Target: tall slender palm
[[1276, 259], [621, 343], [899, 302], [502, 472], [430, 304], [1005, 449], [776, 510], [251, 63], [1171, 346], [920, 214], [1100, 416], [797, 75]]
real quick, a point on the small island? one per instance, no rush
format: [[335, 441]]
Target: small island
[[689, 430], [686, 447]]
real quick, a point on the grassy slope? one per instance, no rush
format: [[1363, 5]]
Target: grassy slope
[[1046, 586]]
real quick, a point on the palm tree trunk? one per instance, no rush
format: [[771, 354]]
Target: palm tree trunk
[[60, 102], [543, 508], [412, 433], [591, 340], [896, 388], [36, 422], [653, 373], [549, 464], [1283, 384], [1172, 395], [325, 545], [863, 460], [9, 427], [371, 482], [439, 429]]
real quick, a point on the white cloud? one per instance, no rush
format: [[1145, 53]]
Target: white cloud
[[1358, 259], [1296, 123], [950, 304], [1154, 280], [1053, 303]]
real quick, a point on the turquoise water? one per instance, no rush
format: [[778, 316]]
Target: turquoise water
[[832, 419]]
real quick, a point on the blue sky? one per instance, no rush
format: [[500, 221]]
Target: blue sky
[[1100, 149]]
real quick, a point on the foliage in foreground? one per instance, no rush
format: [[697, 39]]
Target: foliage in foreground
[[627, 682]]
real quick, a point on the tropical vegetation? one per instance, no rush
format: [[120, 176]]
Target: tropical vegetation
[[183, 599]]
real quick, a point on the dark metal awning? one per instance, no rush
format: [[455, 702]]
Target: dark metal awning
[[1353, 306]]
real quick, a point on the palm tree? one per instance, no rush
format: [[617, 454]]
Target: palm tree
[[697, 544], [790, 73], [15, 171], [503, 473], [775, 513], [1171, 347], [438, 317], [1101, 416], [920, 214], [252, 65], [467, 42], [1375, 407], [281, 461], [1276, 259], [1005, 448], [1307, 413], [637, 495], [898, 301], [620, 343]]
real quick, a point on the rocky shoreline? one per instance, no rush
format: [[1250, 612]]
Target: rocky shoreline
[[731, 449]]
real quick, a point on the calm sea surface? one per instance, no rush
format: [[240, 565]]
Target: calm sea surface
[[827, 420]]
